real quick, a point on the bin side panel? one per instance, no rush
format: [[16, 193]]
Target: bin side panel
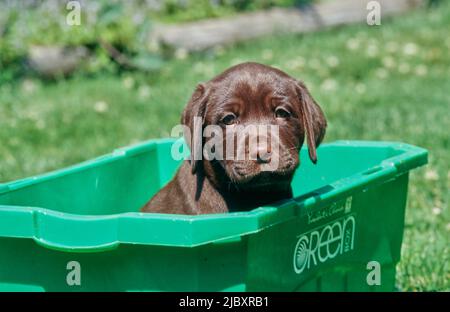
[[335, 163], [121, 185], [27, 266], [329, 248], [222, 266]]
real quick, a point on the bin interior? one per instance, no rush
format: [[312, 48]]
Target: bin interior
[[124, 180]]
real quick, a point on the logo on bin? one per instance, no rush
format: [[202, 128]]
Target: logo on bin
[[324, 243]]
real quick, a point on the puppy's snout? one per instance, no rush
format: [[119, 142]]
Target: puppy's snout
[[261, 152], [258, 145], [263, 157]]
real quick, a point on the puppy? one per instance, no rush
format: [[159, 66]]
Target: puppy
[[246, 94]]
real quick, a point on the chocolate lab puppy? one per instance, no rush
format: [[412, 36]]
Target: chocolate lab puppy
[[246, 94]]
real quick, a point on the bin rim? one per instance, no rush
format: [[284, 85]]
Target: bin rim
[[190, 231]]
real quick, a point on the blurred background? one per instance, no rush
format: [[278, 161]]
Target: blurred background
[[80, 78]]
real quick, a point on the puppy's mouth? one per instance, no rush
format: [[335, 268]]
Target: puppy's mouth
[[249, 178]]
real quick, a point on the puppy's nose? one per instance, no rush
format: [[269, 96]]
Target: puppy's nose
[[263, 155]]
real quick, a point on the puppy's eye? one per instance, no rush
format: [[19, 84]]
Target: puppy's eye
[[281, 112], [229, 119]]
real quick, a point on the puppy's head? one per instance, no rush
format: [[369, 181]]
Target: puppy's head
[[242, 102]]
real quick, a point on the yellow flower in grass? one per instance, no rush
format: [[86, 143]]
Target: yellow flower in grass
[[101, 107], [267, 55], [144, 92], [128, 82], [410, 49], [388, 62], [236, 61], [404, 68], [392, 46], [436, 211], [181, 54], [315, 64], [329, 85], [295, 64], [360, 88], [219, 50], [332, 61], [421, 70], [381, 73], [372, 50], [29, 86], [353, 44], [431, 175]]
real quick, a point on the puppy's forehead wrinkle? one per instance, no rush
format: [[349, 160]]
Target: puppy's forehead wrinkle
[[250, 73], [248, 90], [254, 82], [251, 90]]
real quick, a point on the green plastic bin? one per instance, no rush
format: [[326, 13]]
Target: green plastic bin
[[348, 210]]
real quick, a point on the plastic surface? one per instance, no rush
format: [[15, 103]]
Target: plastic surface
[[348, 210]]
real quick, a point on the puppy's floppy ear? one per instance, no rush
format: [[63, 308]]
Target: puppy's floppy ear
[[193, 117], [313, 120]]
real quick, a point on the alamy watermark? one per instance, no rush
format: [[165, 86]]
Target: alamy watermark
[[374, 13], [374, 275], [236, 142], [73, 277], [73, 17]]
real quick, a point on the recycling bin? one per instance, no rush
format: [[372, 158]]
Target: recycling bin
[[80, 229]]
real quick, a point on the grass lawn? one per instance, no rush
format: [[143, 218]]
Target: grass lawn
[[390, 82]]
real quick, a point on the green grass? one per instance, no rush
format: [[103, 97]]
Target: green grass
[[390, 82], [204, 9]]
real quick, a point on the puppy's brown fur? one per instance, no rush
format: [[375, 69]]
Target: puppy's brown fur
[[254, 94]]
